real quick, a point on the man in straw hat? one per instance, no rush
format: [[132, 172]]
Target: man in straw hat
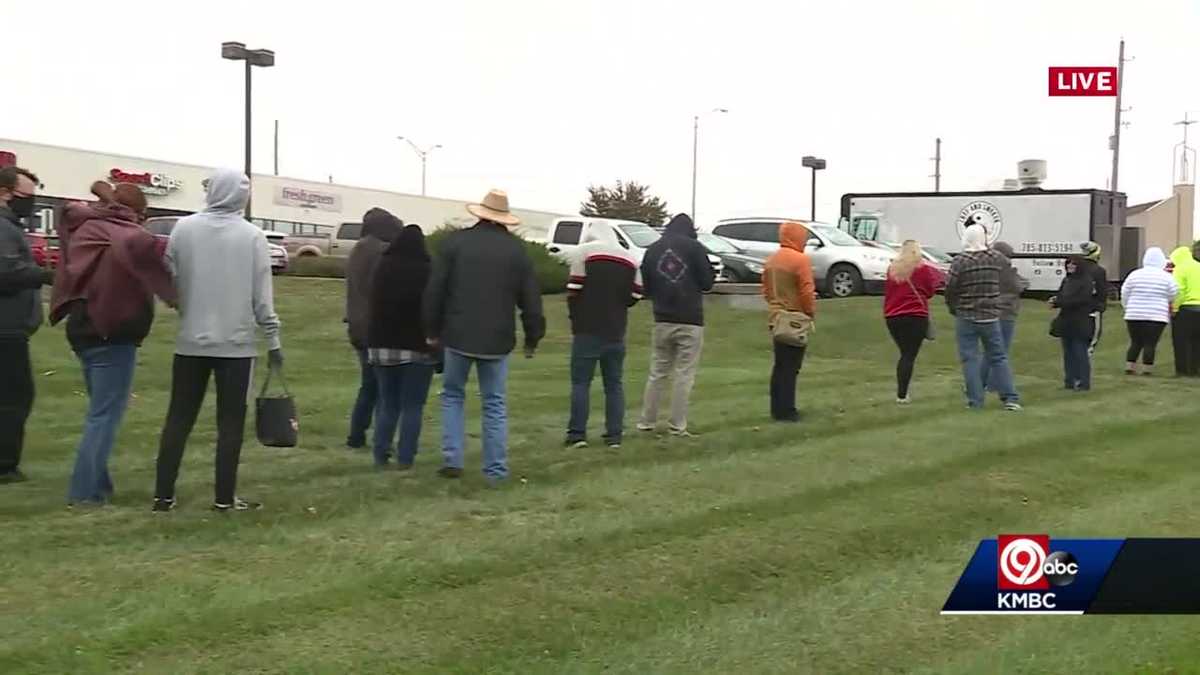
[[482, 275]]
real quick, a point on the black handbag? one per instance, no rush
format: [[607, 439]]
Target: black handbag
[[1056, 326], [275, 418]]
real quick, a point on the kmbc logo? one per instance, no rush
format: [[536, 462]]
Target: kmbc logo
[[1083, 81], [1026, 564]]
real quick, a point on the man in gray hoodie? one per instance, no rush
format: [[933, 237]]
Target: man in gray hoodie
[[222, 270]]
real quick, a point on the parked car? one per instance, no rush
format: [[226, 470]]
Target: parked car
[[842, 265], [934, 256], [565, 234], [161, 227], [741, 266], [44, 248], [279, 253]]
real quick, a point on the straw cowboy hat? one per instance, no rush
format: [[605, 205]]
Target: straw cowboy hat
[[494, 207]]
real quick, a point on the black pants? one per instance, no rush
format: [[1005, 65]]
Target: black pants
[[1143, 340], [1185, 338], [788, 360], [16, 400], [189, 383], [908, 332]]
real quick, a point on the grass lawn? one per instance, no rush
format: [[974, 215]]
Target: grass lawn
[[825, 547]]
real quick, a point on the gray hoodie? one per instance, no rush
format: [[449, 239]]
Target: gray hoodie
[[222, 269]]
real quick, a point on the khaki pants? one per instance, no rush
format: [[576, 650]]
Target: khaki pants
[[676, 356]]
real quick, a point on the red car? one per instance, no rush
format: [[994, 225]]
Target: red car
[[44, 248]]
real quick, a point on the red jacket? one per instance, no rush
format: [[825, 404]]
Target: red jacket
[[911, 297]]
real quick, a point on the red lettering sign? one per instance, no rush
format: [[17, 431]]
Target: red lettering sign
[[1083, 81]]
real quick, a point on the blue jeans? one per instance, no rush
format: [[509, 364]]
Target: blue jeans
[[1007, 328], [108, 375], [402, 393], [1077, 363], [970, 334], [493, 378], [586, 352], [364, 405]]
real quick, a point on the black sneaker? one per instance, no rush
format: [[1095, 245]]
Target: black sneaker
[[449, 472], [238, 504], [163, 505]]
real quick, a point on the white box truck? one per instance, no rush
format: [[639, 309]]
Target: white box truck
[[1043, 226]]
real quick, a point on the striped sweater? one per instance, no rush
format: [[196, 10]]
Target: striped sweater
[[605, 282], [1147, 295]]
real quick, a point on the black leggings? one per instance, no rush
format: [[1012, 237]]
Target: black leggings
[[1143, 340], [1185, 336], [908, 332]]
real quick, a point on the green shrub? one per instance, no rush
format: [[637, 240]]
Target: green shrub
[[327, 267], [551, 273]]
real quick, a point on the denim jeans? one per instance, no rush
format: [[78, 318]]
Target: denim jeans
[[970, 335], [586, 352], [1077, 363], [108, 376], [364, 404], [1008, 327], [493, 379], [402, 393]]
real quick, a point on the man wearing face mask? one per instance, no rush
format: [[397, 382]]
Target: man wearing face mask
[[21, 281]]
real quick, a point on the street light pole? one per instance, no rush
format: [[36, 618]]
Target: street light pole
[[423, 154], [816, 164], [696, 154], [263, 58]]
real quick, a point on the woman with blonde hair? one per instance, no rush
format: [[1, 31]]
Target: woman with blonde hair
[[911, 282]]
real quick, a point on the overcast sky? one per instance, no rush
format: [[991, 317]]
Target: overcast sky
[[544, 97]]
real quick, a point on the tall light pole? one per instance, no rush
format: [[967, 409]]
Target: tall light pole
[[263, 58], [1115, 145], [696, 153], [423, 154], [816, 164]]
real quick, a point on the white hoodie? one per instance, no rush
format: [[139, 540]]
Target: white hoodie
[[222, 269], [1147, 293]]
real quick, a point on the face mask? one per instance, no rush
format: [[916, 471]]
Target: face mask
[[22, 206]]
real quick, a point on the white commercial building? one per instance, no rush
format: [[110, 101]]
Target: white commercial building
[[287, 205]]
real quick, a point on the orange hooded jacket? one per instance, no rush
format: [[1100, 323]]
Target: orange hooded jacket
[[787, 278]]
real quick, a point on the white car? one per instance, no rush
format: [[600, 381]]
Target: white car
[[565, 234], [161, 227], [842, 265]]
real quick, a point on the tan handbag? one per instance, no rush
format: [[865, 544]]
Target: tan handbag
[[791, 328]]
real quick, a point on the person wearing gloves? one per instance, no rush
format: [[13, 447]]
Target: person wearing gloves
[[1074, 326], [1012, 285], [788, 287], [1147, 295], [222, 270], [973, 298], [1185, 324], [109, 273]]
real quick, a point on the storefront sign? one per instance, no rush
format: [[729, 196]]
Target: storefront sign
[[149, 183], [309, 199]]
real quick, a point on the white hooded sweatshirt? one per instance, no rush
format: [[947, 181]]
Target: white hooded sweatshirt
[[222, 269], [1148, 292]]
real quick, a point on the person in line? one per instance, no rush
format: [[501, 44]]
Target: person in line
[[222, 270], [1185, 325], [109, 273], [397, 349], [910, 284], [973, 298], [481, 277], [21, 281], [787, 284], [1147, 295], [604, 283], [378, 230], [1012, 285], [676, 273], [1075, 325], [1099, 276]]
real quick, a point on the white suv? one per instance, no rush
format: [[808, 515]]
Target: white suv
[[566, 233], [842, 265]]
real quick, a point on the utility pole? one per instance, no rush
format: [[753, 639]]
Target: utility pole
[[1115, 145], [276, 147], [1187, 156], [695, 156], [937, 166], [1185, 150]]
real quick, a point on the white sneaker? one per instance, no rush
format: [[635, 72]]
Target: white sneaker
[[904, 401], [645, 427], [1013, 406]]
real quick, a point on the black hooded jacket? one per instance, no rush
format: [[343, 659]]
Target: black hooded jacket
[[676, 273], [1099, 277], [1075, 302], [395, 306], [379, 229]]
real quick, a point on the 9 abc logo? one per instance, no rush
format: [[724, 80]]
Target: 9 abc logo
[[1026, 564]]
